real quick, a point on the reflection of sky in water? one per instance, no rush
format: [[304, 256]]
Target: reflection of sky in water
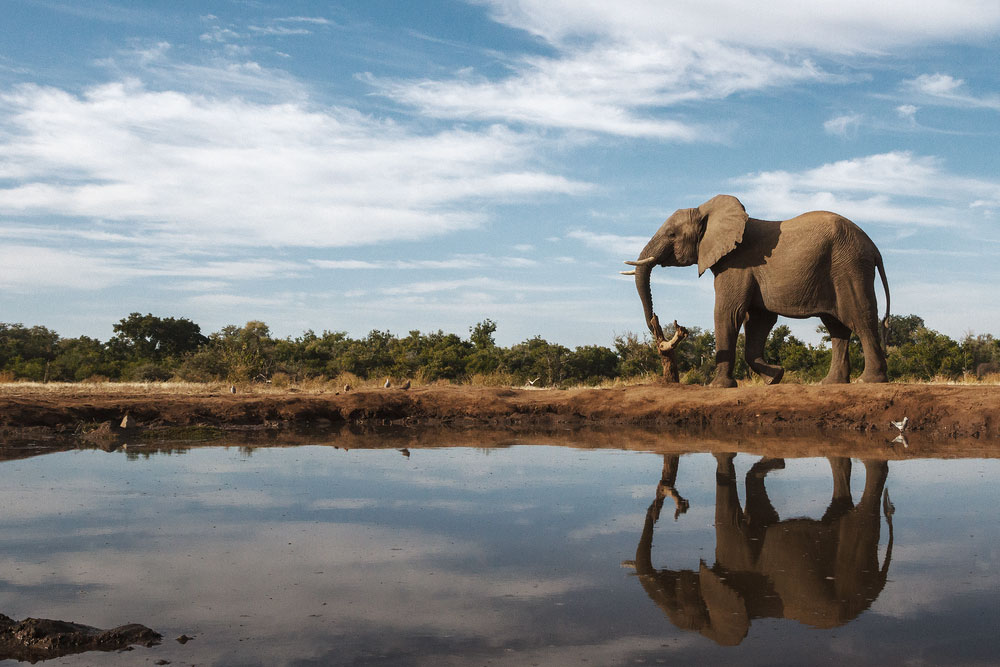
[[314, 555]]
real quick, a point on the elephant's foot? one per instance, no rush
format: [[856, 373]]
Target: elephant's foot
[[873, 377], [835, 378], [723, 381], [770, 374]]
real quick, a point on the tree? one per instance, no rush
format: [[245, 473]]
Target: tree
[[636, 356], [903, 329], [246, 353], [481, 335], [590, 364], [147, 337], [536, 358], [928, 355], [81, 358], [27, 352]]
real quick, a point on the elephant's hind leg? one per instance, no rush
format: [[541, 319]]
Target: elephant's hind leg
[[858, 310], [840, 362], [758, 326]]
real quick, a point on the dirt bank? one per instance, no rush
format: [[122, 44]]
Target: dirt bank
[[936, 411]]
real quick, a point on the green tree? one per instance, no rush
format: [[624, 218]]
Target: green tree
[[928, 355], [246, 353], [536, 358], [27, 351], [590, 364], [150, 338], [82, 358], [636, 356], [903, 329]]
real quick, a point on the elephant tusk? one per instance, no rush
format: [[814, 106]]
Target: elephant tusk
[[627, 273], [641, 262]]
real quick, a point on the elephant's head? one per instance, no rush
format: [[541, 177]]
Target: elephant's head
[[704, 235]]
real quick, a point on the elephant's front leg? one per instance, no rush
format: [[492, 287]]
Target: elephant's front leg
[[759, 325], [727, 326]]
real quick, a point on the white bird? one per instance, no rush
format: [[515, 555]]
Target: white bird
[[347, 388], [532, 382], [232, 389], [901, 425], [387, 383], [405, 385]]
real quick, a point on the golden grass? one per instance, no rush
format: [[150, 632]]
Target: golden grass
[[282, 384]]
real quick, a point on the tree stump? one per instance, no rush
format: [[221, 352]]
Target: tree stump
[[667, 349]]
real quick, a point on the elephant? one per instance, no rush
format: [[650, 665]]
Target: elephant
[[817, 264], [822, 573]]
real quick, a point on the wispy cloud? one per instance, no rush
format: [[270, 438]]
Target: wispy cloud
[[457, 262], [609, 88], [632, 68], [946, 89], [850, 26], [30, 268], [195, 169], [897, 188], [626, 247], [843, 126], [481, 283]]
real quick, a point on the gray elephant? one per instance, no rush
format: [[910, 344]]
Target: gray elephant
[[822, 573], [818, 264]]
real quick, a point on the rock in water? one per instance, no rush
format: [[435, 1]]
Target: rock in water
[[35, 639]]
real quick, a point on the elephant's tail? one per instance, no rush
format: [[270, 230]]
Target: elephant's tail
[[885, 286]]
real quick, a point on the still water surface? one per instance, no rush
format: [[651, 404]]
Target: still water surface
[[525, 555]]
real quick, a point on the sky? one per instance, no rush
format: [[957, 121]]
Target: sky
[[349, 166]]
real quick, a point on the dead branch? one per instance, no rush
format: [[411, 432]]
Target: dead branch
[[667, 349]]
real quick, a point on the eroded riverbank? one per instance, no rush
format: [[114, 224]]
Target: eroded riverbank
[[933, 411]]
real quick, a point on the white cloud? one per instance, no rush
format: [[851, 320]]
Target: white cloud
[[278, 30], [316, 20], [908, 112], [29, 268], [852, 25], [454, 263], [611, 88], [618, 66], [167, 166], [626, 247], [842, 126], [481, 283], [26, 268], [945, 89], [896, 188], [936, 84]]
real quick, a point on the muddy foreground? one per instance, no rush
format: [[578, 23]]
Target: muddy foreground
[[943, 420]]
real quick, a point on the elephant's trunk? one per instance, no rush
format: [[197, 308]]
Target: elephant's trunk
[[645, 293], [649, 256]]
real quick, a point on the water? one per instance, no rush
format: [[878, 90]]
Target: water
[[542, 555]]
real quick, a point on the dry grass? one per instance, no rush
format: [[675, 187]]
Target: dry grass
[[282, 384]]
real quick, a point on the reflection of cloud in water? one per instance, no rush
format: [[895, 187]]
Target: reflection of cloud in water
[[301, 554], [280, 574]]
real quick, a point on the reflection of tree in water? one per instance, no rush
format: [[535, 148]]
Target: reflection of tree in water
[[823, 573]]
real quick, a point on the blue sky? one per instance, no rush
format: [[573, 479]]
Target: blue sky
[[351, 166]]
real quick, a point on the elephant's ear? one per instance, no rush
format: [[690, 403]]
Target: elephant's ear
[[725, 219]]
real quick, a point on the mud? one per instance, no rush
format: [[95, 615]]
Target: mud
[[943, 420], [35, 639]]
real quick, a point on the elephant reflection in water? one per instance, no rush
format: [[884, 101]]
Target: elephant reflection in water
[[822, 573]]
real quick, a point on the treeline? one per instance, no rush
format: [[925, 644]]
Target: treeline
[[150, 348]]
